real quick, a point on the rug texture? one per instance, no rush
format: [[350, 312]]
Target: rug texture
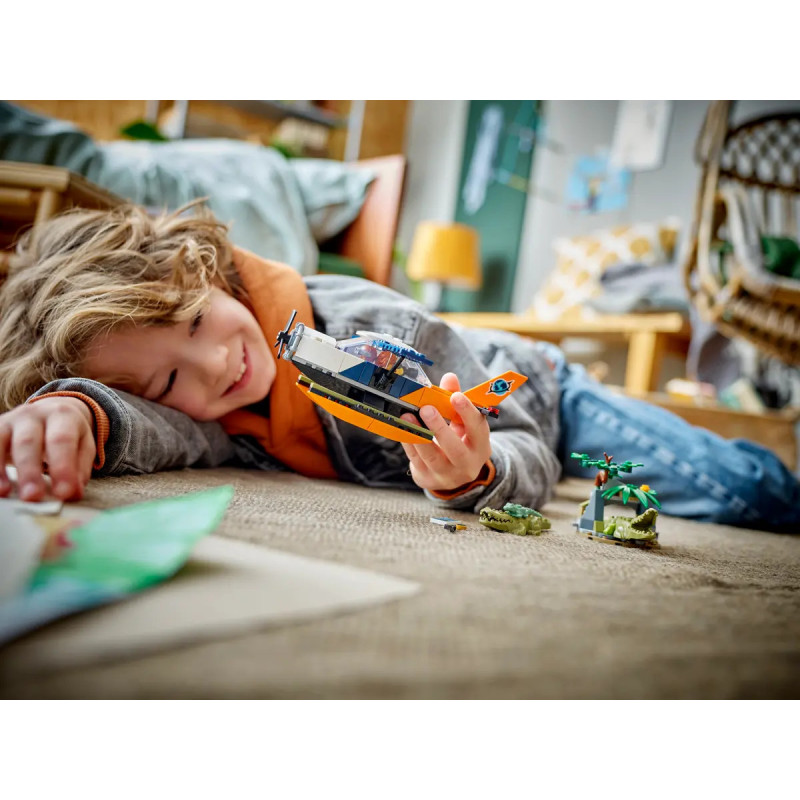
[[715, 613]]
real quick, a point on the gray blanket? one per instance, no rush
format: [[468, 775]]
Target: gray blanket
[[279, 208]]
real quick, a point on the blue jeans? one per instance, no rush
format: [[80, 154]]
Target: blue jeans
[[697, 474]]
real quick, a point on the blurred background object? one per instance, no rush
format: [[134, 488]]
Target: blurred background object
[[444, 255]]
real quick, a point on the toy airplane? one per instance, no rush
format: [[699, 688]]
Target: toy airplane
[[372, 379]]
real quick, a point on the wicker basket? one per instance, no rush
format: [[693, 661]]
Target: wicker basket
[[748, 188]]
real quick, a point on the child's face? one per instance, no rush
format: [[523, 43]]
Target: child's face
[[194, 366]]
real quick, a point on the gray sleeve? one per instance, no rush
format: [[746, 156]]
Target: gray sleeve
[[147, 437], [526, 473], [525, 435]]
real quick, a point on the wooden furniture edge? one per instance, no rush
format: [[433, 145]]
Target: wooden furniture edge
[[649, 336], [46, 178], [672, 322], [370, 238]]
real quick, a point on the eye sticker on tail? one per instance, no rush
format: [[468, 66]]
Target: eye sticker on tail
[[496, 389], [500, 387]]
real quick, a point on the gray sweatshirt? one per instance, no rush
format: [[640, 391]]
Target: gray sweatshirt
[[146, 437]]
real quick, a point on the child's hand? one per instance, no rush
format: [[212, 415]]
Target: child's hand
[[460, 449], [56, 431]]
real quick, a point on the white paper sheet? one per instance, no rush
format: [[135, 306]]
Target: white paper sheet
[[640, 135], [228, 587]]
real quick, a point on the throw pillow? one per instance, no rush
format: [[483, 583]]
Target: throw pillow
[[581, 260]]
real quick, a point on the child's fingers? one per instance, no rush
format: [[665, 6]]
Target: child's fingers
[[86, 455], [430, 457], [26, 453], [412, 450], [452, 448], [450, 382], [421, 457], [62, 444], [475, 424]]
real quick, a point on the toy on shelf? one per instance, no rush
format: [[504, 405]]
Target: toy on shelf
[[515, 519], [636, 531], [372, 379], [449, 524]]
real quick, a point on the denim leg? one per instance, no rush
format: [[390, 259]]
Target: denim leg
[[697, 474]]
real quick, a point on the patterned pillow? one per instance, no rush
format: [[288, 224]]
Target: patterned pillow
[[582, 259]]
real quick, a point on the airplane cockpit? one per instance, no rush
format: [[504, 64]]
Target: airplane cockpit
[[373, 349]]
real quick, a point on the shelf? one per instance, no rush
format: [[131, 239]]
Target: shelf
[[278, 110], [281, 109]]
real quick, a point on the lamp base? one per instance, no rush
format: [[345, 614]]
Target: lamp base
[[432, 295]]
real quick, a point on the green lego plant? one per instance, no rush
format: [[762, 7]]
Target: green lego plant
[[605, 466], [643, 494]]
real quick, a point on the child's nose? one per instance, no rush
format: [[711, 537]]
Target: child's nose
[[216, 366]]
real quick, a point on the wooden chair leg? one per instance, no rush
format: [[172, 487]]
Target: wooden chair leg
[[49, 204], [645, 350]]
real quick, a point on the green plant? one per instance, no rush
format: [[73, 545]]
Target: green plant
[[144, 131], [643, 494]]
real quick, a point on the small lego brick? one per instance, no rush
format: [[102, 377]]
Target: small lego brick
[[449, 524]]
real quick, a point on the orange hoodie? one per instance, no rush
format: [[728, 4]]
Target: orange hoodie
[[293, 432]]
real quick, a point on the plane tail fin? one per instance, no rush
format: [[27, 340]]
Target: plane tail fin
[[495, 390]]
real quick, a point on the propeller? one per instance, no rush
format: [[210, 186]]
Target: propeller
[[285, 335]]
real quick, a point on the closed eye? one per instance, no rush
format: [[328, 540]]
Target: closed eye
[[195, 324], [168, 388]]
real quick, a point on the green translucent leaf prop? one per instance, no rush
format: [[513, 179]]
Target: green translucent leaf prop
[[118, 552], [133, 546]]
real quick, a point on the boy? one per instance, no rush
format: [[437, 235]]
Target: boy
[[135, 344]]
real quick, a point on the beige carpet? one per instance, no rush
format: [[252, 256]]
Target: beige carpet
[[714, 614]]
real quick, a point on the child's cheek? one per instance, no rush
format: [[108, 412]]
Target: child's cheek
[[192, 408]]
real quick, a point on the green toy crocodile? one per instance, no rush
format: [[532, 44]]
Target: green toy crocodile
[[515, 519], [641, 528]]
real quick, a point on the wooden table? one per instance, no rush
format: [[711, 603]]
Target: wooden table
[[32, 193], [648, 336]]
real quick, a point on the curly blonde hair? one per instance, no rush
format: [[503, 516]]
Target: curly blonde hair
[[84, 273]]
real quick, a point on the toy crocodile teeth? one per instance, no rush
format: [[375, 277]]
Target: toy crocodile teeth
[[642, 527]]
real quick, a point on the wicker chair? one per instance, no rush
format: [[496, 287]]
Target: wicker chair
[[748, 189]]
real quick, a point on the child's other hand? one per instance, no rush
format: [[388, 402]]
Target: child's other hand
[[56, 431], [460, 449]]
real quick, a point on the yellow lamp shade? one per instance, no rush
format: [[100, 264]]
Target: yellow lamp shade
[[447, 254]]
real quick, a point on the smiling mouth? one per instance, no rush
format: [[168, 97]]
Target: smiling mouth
[[240, 375]]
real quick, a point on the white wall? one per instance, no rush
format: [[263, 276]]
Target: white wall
[[434, 147]]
